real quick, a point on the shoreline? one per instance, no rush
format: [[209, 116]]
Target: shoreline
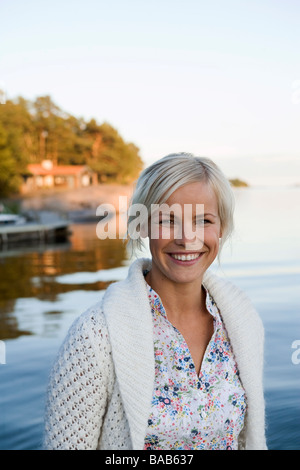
[[88, 199], [68, 200]]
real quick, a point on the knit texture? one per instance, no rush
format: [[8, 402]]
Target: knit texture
[[101, 384]]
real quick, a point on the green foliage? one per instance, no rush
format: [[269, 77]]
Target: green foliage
[[18, 127], [237, 183], [8, 179], [34, 131], [112, 158]]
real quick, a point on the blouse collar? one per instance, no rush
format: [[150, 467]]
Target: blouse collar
[[157, 303]]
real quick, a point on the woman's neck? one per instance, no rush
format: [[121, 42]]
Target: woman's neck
[[179, 299]]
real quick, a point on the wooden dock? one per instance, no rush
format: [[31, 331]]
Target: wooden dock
[[33, 232]]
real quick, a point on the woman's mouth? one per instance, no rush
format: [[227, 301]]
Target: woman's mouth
[[187, 259]]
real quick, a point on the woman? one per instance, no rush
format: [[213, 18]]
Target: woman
[[172, 356]]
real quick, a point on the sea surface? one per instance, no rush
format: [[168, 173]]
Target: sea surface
[[44, 288]]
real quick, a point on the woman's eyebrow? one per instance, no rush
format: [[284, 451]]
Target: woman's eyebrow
[[205, 215], [170, 214]]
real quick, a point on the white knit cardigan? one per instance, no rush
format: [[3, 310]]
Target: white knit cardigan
[[101, 384]]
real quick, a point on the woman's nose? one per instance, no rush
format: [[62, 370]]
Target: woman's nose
[[189, 237]]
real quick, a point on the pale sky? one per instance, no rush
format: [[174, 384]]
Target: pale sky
[[215, 78]]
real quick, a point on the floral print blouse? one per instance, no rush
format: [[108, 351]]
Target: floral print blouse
[[191, 412]]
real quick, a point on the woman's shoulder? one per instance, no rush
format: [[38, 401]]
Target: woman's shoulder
[[90, 318], [232, 300], [242, 321], [224, 288], [89, 330]]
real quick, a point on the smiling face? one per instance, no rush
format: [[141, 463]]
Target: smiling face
[[180, 258]]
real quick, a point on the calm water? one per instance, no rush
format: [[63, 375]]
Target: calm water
[[43, 290]]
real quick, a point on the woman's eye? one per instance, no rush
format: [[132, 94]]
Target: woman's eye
[[166, 222], [203, 221]]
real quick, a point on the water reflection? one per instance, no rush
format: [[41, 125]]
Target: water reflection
[[31, 272]]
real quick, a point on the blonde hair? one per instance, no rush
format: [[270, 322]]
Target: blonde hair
[[158, 181]]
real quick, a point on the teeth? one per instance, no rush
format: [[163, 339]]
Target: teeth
[[185, 257]]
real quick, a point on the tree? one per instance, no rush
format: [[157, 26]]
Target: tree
[[9, 181], [112, 158], [237, 183], [39, 130], [17, 123]]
